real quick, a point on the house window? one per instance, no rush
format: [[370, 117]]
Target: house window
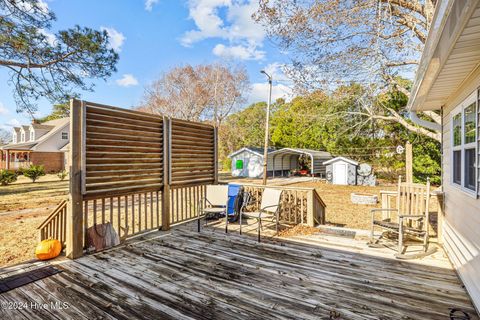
[[464, 137], [64, 135], [239, 164], [32, 135], [22, 137]]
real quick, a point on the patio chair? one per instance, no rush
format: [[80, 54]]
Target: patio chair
[[215, 203], [269, 209], [411, 223]]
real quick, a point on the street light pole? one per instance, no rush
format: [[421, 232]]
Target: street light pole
[[265, 149]]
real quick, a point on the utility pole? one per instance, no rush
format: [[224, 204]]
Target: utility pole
[[265, 149]]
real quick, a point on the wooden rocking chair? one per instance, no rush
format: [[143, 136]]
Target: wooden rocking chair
[[412, 209]]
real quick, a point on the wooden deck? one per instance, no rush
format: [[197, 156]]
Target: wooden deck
[[182, 274]]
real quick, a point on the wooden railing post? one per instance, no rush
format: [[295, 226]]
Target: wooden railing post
[[74, 245], [310, 208], [215, 154], [409, 162], [167, 139]]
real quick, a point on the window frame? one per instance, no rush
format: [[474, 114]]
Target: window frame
[[460, 109], [32, 135], [66, 134]]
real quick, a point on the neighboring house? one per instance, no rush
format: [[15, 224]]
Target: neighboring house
[[40, 144], [448, 80], [248, 161]]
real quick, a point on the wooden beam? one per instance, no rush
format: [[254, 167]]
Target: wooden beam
[[167, 135], [409, 162], [74, 245], [215, 157]]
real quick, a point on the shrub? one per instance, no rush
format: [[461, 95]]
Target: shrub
[[62, 175], [19, 172], [34, 172], [7, 177]]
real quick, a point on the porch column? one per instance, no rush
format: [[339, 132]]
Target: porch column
[[7, 159]]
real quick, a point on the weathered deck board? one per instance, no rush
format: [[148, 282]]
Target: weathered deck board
[[183, 274]]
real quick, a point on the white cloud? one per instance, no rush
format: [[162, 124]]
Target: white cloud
[[10, 124], [276, 71], [149, 4], [127, 80], [40, 5], [49, 37], [238, 52], [116, 38], [236, 26], [260, 90]]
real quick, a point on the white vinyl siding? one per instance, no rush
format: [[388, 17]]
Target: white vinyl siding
[[461, 228]]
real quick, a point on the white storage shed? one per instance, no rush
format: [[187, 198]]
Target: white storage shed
[[342, 171]]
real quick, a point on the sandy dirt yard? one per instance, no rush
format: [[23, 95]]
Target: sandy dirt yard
[[341, 212], [23, 206]]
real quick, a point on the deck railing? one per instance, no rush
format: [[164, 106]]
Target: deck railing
[[142, 172], [55, 225], [298, 205], [138, 171]]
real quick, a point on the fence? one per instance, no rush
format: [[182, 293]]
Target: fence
[[298, 205], [137, 171]]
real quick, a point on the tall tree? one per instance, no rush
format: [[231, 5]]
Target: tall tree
[[43, 64], [203, 92], [5, 137], [61, 110], [372, 42], [244, 128]]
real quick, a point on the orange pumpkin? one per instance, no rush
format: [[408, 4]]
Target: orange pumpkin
[[48, 249]]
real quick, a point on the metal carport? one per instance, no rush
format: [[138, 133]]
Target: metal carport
[[276, 160]]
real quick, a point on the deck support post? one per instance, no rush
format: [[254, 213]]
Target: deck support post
[[167, 140], [74, 243], [215, 154]]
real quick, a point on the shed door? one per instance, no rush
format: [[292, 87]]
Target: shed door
[[340, 173]]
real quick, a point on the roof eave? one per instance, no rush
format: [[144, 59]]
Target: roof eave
[[437, 50]]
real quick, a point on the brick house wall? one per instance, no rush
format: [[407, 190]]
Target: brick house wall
[[52, 161]]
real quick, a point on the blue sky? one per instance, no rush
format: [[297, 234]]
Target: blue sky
[[152, 36]]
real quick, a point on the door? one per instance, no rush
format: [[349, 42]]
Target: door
[[340, 173]]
